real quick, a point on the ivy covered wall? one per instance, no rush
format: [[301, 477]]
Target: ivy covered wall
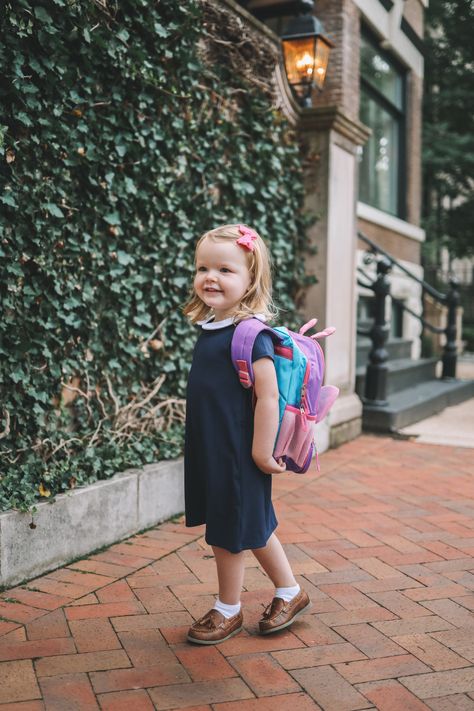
[[128, 129]]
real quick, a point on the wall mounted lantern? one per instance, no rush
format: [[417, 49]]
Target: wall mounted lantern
[[306, 53]]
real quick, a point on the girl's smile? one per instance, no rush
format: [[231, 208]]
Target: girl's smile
[[222, 276]]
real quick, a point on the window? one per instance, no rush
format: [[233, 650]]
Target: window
[[365, 311], [366, 315], [382, 108], [396, 320]]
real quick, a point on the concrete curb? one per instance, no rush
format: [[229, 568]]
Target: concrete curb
[[85, 519]]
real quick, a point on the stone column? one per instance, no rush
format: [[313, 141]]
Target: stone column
[[330, 141]]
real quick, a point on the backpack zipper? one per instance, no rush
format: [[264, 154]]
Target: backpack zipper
[[303, 400]]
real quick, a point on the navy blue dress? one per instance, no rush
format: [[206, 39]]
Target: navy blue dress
[[223, 486]]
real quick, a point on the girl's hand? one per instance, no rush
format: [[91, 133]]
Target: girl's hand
[[271, 466]]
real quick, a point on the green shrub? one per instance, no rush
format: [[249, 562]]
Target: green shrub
[[123, 139]]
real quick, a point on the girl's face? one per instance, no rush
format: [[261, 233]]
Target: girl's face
[[222, 276]]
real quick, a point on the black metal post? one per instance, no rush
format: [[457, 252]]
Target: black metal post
[[450, 350], [376, 374]]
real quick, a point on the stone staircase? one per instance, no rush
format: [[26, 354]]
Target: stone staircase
[[413, 390]]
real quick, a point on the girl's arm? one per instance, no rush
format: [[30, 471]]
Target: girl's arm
[[266, 417]]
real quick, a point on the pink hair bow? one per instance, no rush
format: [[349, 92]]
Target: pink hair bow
[[248, 237]]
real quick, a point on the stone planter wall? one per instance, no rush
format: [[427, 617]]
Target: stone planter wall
[[85, 519]]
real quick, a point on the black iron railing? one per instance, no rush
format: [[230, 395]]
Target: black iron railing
[[376, 378]]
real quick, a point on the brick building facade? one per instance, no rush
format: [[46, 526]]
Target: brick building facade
[[362, 138]]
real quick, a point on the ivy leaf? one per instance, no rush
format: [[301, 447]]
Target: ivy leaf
[[41, 14], [124, 258], [160, 30], [71, 303], [40, 395], [123, 35], [143, 320], [54, 209], [113, 218], [179, 281], [17, 375], [23, 118], [130, 186], [8, 199], [247, 188]]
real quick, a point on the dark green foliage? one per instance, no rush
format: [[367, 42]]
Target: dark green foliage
[[448, 129], [119, 146]]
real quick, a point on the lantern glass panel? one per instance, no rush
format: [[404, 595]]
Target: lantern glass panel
[[321, 62], [299, 55]]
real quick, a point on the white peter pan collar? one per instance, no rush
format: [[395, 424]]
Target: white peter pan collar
[[208, 324]]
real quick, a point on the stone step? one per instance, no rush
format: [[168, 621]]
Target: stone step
[[396, 347], [415, 403], [402, 373]]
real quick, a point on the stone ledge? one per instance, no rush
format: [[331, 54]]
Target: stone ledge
[[85, 519]]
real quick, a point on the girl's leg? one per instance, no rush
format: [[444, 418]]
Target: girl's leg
[[230, 573], [289, 600], [212, 628], [273, 560]]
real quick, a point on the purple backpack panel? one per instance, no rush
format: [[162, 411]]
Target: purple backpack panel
[[303, 401]]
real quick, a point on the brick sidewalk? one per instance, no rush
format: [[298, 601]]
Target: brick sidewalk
[[383, 542]]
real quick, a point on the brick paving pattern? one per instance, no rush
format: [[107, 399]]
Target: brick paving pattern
[[383, 541]]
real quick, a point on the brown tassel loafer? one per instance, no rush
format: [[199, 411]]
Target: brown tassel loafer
[[280, 614], [213, 628]]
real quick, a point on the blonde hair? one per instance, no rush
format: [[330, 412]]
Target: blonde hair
[[258, 297]]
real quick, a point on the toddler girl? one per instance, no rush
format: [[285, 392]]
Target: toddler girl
[[229, 442]]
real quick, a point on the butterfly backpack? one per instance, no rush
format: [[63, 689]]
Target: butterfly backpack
[[304, 400]]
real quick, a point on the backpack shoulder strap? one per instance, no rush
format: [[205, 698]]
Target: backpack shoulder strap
[[242, 345]]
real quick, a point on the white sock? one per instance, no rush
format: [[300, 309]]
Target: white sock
[[287, 594], [226, 610]]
